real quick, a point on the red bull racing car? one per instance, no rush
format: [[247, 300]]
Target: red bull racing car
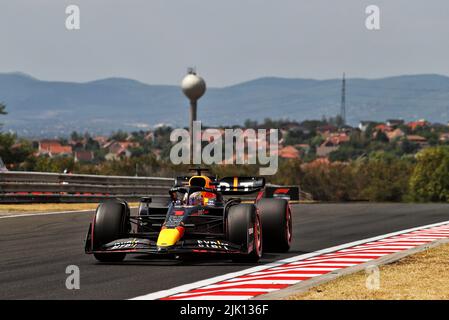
[[204, 216]]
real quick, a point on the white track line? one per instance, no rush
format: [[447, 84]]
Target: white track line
[[44, 213], [210, 281], [21, 215]]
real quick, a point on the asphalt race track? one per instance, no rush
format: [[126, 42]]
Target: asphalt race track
[[36, 250]]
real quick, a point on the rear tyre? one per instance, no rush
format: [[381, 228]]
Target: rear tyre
[[111, 223], [276, 218], [241, 219]]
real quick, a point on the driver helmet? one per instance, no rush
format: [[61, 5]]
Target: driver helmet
[[196, 199]]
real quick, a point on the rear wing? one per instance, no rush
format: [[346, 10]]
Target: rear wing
[[229, 185], [240, 185]]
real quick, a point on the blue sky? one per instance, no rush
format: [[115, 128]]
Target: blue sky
[[229, 41]]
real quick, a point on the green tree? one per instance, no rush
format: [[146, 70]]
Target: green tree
[[250, 124], [2, 111], [381, 137], [295, 137], [383, 177], [14, 151], [3, 108], [119, 135], [407, 147], [289, 172], [346, 153], [328, 182], [75, 136], [430, 178]]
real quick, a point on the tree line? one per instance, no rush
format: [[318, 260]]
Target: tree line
[[381, 175]]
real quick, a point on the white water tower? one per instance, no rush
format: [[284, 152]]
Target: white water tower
[[194, 88]]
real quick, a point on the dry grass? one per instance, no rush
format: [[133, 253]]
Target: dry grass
[[49, 207], [424, 275]]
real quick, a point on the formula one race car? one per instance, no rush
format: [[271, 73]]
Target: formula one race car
[[200, 218]]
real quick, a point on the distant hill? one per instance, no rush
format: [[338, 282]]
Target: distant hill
[[48, 108]]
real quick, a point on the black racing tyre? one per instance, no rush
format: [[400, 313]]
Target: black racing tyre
[[111, 223], [276, 218], [240, 219]]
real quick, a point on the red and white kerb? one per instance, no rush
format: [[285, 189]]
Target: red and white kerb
[[283, 275]]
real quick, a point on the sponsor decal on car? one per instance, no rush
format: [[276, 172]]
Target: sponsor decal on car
[[212, 244], [281, 191], [125, 244], [200, 212]]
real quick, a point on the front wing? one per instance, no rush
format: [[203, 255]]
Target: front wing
[[147, 246]]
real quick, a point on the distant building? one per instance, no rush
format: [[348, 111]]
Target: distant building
[[115, 147], [418, 124], [149, 136], [305, 148], [326, 129], [107, 144], [346, 128], [339, 138], [444, 137], [289, 152], [395, 134], [299, 128], [326, 148], [395, 122], [363, 125], [421, 141], [102, 140], [53, 148], [383, 128], [332, 143], [84, 156], [45, 145], [118, 154]]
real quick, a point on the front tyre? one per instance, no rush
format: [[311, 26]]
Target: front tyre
[[111, 223]]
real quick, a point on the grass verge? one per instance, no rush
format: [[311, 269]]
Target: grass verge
[[422, 276]]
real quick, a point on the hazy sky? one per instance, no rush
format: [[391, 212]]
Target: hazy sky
[[228, 41]]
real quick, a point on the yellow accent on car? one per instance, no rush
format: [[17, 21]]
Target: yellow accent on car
[[168, 237]]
